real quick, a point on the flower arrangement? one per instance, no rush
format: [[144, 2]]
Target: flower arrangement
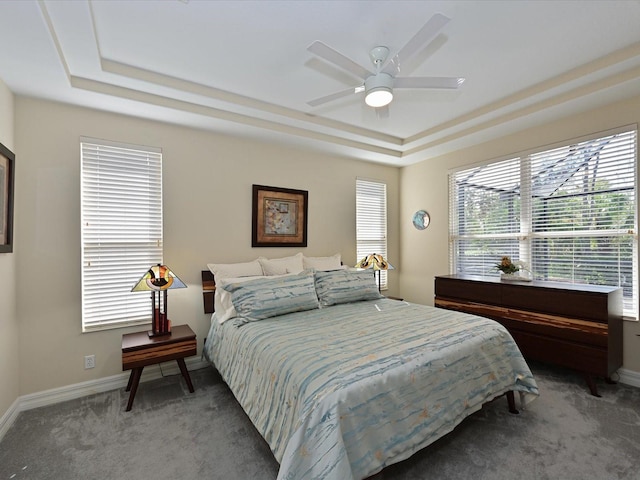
[[507, 266], [510, 269]]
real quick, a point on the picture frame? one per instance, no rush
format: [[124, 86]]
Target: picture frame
[[279, 217], [7, 181]]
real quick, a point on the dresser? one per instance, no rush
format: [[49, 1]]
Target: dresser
[[575, 326]]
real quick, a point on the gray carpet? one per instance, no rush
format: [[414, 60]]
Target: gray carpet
[[171, 434]]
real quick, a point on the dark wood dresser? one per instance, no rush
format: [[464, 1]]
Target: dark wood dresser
[[575, 326]]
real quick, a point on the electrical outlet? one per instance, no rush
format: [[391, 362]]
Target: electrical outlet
[[89, 361]]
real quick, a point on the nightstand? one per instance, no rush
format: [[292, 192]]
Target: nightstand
[[139, 350]]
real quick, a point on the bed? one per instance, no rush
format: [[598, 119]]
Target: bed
[[357, 382]]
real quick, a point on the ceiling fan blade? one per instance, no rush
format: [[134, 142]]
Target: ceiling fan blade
[[335, 57], [428, 82], [335, 96], [424, 36]]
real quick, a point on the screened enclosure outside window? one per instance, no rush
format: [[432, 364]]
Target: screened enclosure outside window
[[121, 208], [568, 213], [371, 221]]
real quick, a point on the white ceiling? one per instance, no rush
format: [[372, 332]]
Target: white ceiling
[[242, 67]]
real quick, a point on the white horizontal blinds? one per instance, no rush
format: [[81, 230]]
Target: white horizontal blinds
[[121, 230], [584, 204], [371, 221], [568, 212], [485, 216]]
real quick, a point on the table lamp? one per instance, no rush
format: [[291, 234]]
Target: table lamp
[[377, 262], [157, 280]]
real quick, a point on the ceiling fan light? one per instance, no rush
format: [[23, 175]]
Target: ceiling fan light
[[379, 97], [379, 91]]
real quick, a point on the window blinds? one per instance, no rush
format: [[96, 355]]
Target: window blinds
[[121, 208], [583, 207], [568, 212], [371, 221], [485, 216]]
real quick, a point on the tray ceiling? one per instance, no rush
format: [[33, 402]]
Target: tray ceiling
[[243, 69]]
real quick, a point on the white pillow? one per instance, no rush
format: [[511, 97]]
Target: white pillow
[[281, 266], [323, 263], [235, 270]]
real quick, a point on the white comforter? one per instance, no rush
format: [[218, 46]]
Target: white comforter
[[343, 391]]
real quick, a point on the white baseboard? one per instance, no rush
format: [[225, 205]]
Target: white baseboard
[[629, 377], [77, 390], [9, 417]]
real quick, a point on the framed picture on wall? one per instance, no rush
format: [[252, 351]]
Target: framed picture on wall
[[279, 217], [7, 165]]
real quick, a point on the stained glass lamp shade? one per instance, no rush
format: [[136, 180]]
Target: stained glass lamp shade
[[377, 262], [157, 280]]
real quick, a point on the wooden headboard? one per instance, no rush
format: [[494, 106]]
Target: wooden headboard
[[208, 290]]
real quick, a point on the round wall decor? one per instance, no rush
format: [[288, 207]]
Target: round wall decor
[[421, 219]]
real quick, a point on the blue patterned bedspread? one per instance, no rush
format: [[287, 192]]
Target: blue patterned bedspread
[[341, 392]]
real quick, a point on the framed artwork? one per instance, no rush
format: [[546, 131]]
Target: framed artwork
[[7, 166], [279, 217]]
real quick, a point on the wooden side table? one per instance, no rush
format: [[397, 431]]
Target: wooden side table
[[138, 351]]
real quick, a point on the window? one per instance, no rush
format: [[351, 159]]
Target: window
[[371, 221], [568, 212], [121, 230]]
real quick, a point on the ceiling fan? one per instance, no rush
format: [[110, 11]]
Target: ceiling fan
[[378, 86]]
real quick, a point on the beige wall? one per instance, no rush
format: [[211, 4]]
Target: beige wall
[[207, 195], [9, 368], [207, 218], [425, 186]]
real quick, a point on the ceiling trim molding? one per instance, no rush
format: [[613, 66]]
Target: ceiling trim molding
[[54, 37], [212, 112], [187, 86], [572, 75], [588, 89]]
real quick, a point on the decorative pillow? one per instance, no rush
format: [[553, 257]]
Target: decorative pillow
[[345, 286], [272, 296], [282, 266], [235, 270], [222, 303], [323, 263]]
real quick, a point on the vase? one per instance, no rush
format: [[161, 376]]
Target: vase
[[515, 277]]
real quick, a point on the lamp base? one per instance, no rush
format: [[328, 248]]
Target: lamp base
[[161, 325], [158, 334]]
